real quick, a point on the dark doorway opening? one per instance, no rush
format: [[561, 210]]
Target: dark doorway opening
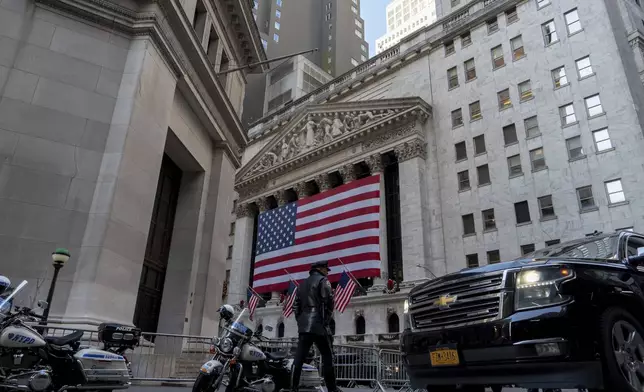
[[155, 263], [394, 323]]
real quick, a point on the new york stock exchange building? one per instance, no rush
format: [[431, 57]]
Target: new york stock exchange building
[[471, 140]]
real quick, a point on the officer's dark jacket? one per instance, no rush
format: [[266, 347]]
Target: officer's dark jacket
[[313, 306]]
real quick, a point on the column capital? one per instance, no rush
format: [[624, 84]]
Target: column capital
[[375, 163], [411, 149], [323, 182], [262, 204], [348, 173], [243, 211], [281, 197], [302, 189]]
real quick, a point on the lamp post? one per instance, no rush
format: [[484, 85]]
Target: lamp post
[[59, 257]]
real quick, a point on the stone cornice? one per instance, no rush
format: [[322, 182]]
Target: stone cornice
[[283, 153], [169, 29]]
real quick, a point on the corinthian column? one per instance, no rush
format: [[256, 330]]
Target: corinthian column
[[376, 168], [239, 274], [348, 173], [281, 198], [302, 189], [323, 182]]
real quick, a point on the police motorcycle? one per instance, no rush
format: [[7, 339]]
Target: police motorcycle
[[248, 367], [30, 361]]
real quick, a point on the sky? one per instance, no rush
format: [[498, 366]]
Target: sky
[[375, 21]]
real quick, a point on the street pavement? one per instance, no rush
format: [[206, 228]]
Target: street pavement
[[184, 389]]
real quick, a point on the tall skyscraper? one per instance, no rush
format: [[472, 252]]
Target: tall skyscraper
[[403, 18], [289, 26]]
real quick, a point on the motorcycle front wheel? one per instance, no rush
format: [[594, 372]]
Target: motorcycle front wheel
[[203, 383]]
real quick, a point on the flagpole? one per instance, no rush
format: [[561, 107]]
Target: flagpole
[[291, 277], [351, 275], [255, 292]]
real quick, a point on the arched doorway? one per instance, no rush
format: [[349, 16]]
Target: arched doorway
[[280, 330], [360, 326], [332, 326], [394, 323]]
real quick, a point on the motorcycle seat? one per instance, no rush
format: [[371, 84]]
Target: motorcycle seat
[[276, 356], [73, 337]]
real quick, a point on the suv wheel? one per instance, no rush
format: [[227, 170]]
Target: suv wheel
[[622, 342]]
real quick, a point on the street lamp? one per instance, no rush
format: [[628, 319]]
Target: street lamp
[[59, 257]]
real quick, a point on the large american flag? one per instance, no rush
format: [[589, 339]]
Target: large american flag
[[344, 292], [340, 223], [287, 311]]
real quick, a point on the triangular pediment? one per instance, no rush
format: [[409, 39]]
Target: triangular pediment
[[326, 127]]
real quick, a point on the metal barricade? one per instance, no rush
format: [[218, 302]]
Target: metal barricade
[[393, 373]]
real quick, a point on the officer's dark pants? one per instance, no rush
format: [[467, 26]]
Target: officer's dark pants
[[323, 343]]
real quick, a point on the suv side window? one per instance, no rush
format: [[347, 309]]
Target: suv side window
[[632, 243]]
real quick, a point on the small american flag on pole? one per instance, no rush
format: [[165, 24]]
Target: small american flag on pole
[[253, 301], [344, 292], [287, 311], [343, 222]]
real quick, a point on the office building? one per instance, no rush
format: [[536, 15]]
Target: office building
[[405, 17]]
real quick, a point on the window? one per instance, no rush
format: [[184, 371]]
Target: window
[[358, 23], [497, 57], [277, 25], [567, 114], [553, 242], [457, 118], [511, 15], [527, 249], [466, 39], [281, 71], [463, 180], [234, 206], [483, 173], [329, 17], [585, 197], [531, 127], [549, 32], [572, 21], [510, 134], [449, 48], [455, 2], [363, 47], [489, 223], [504, 99], [514, 165], [584, 68], [602, 140], [358, 33], [279, 100], [538, 159], [232, 228], [559, 77], [452, 77], [276, 38], [475, 111], [363, 58], [472, 260], [278, 13], [525, 90], [479, 145], [522, 212], [461, 151], [230, 252], [493, 256], [546, 208], [468, 224], [470, 70], [492, 26], [542, 3], [575, 150], [354, 9], [354, 62], [615, 192], [594, 106], [516, 44], [264, 43], [279, 3]]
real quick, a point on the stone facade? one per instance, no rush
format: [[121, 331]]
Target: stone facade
[[94, 94], [442, 224]]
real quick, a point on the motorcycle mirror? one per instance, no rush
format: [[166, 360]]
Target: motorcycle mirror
[[43, 304]]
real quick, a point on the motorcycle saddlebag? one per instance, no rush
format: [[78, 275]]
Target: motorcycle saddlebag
[[103, 367], [118, 335]]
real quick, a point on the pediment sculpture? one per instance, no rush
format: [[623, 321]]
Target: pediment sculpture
[[313, 132]]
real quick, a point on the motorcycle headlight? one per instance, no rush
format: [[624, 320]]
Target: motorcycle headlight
[[540, 287], [226, 345]]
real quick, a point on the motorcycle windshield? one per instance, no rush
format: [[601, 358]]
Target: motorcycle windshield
[[241, 321], [6, 299]]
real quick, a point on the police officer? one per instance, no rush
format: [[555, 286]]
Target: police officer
[[313, 308]]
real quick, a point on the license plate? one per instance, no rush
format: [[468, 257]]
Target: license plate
[[444, 356]]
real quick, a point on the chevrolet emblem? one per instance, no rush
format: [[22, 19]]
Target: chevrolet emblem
[[444, 301]]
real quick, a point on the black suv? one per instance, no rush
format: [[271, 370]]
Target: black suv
[[567, 316]]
